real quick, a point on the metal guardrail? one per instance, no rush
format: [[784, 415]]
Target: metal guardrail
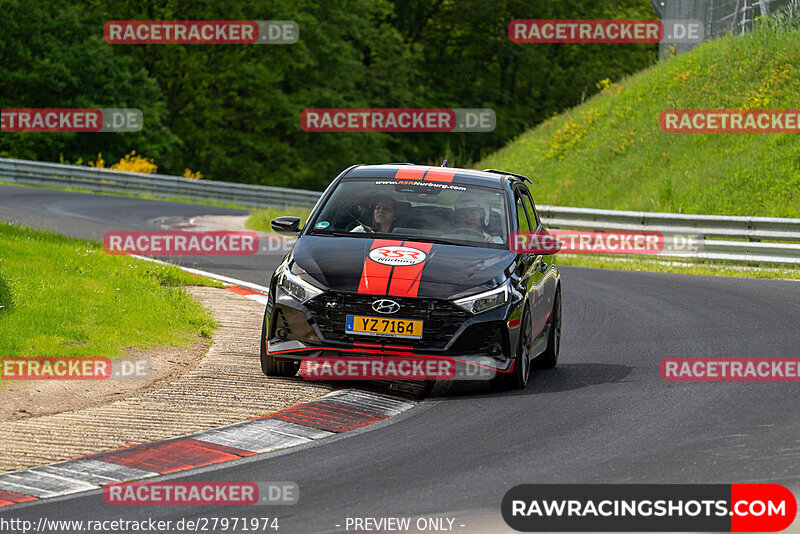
[[160, 185], [723, 226], [720, 237]]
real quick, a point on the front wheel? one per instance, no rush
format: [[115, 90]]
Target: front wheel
[[518, 378], [270, 365], [549, 358]]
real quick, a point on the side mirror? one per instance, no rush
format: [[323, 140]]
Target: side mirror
[[287, 225]]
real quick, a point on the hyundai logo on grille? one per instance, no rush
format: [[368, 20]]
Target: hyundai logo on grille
[[385, 306]]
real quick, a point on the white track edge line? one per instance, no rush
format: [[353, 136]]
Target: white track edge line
[[219, 277]]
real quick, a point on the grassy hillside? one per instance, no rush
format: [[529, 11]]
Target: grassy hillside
[[609, 152]]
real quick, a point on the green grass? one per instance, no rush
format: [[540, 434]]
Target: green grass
[[610, 153], [260, 218], [67, 297]]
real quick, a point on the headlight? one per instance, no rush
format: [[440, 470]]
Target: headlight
[[296, 286], [486, 301]]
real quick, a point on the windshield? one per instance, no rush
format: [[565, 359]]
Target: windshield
[[432, 211]]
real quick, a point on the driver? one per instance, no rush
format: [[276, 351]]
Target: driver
[[383, 216], [472, 213]]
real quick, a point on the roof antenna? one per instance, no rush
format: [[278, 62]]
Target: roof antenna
[[444, 163]]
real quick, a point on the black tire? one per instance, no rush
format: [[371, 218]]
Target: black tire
[[271, 366], [518, 378], [549, 358]]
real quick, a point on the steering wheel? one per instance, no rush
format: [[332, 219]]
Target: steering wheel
[[353, 224]]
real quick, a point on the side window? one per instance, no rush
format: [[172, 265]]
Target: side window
[[523, 224], [534, 217]]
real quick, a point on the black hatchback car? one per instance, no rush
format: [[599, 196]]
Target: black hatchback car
[[417, 258]]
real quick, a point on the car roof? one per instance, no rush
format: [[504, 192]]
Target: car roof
[[404, 171]]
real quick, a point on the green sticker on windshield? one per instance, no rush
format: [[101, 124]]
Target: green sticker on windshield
[[322, 225]]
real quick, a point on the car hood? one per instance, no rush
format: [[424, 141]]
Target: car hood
[[442, 271]]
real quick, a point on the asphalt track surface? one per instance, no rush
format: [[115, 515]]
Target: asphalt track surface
[[603, 416]]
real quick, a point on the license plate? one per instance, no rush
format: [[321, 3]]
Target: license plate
[[383, 326]]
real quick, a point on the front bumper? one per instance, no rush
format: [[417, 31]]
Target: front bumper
[[479, 345]]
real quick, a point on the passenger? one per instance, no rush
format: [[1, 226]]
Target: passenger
[[472, 213], [384, 216]]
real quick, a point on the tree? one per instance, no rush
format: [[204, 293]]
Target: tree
[[54, 56]]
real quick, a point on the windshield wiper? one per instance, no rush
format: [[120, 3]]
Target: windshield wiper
[[398, 237], [339, 233], [430, 239]]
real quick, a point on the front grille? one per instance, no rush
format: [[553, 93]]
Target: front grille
[[441, 318]]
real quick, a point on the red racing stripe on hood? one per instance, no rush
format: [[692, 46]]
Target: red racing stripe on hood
[[406, 278], [375, 276]]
